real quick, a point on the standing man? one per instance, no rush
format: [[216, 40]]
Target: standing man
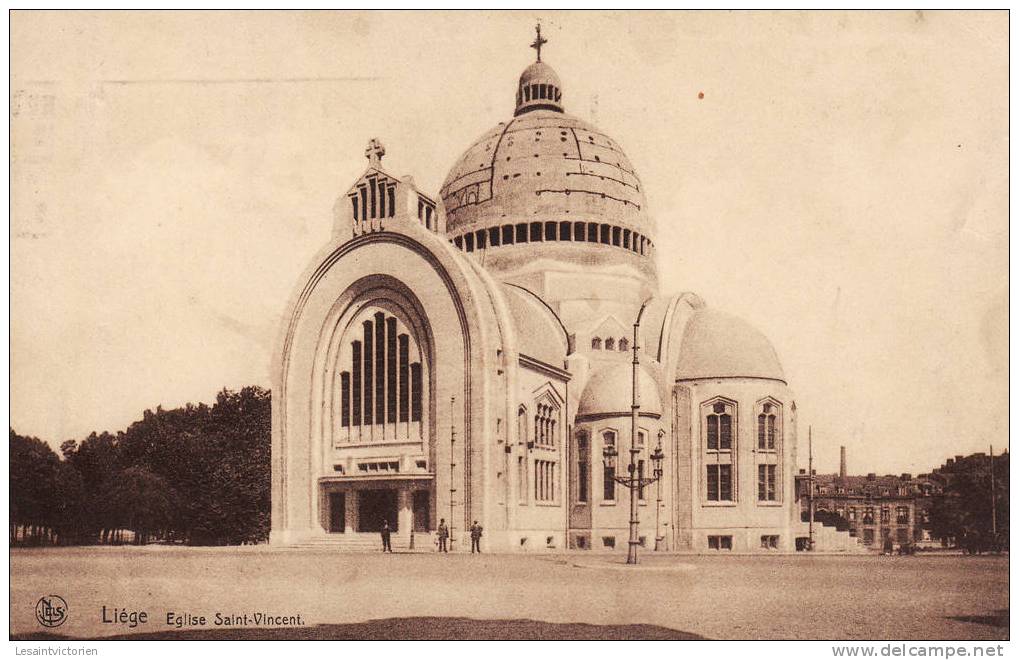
[[443, 535], [385, 537], [476, 537]]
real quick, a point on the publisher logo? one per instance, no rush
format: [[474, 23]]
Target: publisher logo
[[51, 611]]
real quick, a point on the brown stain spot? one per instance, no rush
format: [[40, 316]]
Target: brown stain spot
[[700, 95]]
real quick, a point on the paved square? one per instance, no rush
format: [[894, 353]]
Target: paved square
[[731, 597]]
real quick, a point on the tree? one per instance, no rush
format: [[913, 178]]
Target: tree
[[197, 473], [963, 511]]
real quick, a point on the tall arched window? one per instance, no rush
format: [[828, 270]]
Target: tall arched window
[[583, 460], [719, 450], [596, 344], [610, 344], [624, 344], [767, 422], [608, 439], [379, 380], [719, 425], [769, 451]]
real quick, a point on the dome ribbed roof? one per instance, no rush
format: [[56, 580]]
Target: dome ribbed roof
[[719, 345], [610, 391], [544, 165]]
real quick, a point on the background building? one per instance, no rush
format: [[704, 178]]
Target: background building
[[872, 508]]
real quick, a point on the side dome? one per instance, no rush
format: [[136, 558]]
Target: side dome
[[609, 392], [720, 345]]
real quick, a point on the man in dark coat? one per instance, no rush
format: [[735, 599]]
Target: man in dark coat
[[475, 537], [443, 535], [385, 537]]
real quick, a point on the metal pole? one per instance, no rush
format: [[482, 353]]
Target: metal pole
[[810, 486], [994, 503], [658, 513], [631, 556], [452, 467]]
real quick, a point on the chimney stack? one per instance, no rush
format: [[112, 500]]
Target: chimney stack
[[842, 462]]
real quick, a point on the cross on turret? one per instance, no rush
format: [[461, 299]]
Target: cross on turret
[[539, 41], [374, 153]]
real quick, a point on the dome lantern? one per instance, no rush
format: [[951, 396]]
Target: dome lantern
[[539, 87]]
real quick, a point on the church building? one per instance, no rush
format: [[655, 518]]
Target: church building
[[469, 356]]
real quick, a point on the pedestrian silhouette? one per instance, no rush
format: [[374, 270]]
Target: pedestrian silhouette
[[476, 537], [443, 535]]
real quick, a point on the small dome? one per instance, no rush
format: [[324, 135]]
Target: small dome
[[719, 345], [539, 88], [610, 392]]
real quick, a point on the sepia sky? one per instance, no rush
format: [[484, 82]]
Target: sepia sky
[[842, 185]]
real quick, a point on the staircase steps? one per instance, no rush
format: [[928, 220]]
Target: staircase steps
[[423, 542]]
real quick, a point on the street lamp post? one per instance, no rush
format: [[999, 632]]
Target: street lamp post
[[659, 537], [635, 482]]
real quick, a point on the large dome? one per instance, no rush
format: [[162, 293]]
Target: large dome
[[545, 176]]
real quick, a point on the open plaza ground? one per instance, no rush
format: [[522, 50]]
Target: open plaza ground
[[460, 596]]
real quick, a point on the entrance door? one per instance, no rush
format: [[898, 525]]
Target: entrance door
[[374, 506], [337, 512], [422, 517]]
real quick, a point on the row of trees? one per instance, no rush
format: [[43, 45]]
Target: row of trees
[[973, 510], [197, 474]]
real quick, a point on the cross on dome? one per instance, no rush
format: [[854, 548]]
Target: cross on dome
[[539, 41], [374, 153]]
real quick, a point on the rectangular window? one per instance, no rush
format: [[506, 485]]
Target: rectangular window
[[609, 484], [885, 514], [356, 377], [391, 368], [712, 431], [640, 476], [725, 432], [769, 542], [404, 349], [380, 367], [719, 482], [369, 382], [868, 537], [522, 478], [902, 535], [766, 483], [345, 399], [544, 481], [415, 392], [719, 543], [902, 515], [582, 460]]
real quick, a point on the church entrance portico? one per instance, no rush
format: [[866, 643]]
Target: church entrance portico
[[359, 506], [375, 507]]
